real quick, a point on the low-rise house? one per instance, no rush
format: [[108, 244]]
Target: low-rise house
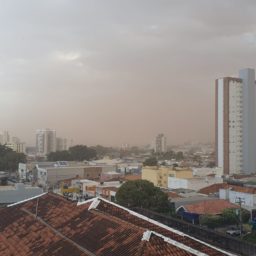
[[132, 177], [109, 193], [190, 198], [50, 225], [237, 194], [49, 174], [105, 176], [193, 211], [213, 189], [93, 188]]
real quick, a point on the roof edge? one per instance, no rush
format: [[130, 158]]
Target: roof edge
[[164, 226], [26, 200], [147, 234]]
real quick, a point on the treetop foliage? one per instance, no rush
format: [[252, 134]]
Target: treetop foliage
[[10, 159], [152, 161], [142, 193], [75, 153]]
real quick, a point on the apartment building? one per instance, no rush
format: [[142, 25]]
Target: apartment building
[[236, 123], [159, 175], [45, 141]]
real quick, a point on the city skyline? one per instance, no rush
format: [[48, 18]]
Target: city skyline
[[114, 73]]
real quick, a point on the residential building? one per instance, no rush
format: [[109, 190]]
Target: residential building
[[93, 188], [45, 141], [234, 194], [6, 137], [194, 183], [61, 144], [51, 225], [213, 189], [51, 173], [192, 212], [160, 143], [18, 147], [159, 175], [236, 123]]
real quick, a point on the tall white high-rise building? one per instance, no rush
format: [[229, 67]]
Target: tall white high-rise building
[[160, 143], [235, 125], [45, 141]]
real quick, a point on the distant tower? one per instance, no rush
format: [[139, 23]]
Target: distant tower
[[160, 143], [61, 144], [6, 137], [45, 141], [235, 129]]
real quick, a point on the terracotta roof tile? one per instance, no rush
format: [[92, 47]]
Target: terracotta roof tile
[[212, 189], [213, 207], [96, 227], [216, 187], [132, 177]]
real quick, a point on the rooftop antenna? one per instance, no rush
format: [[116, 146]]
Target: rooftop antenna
[[37, 201]]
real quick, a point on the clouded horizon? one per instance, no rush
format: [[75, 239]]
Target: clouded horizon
[[114, 72]]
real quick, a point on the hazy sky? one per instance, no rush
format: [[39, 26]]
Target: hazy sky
[[119, 71]]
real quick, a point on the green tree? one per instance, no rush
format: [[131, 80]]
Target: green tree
[[211, 221], [59, 156], [142, 193], [230, 216], [152, 161], [82, 152], [75, 153], [10, 159]]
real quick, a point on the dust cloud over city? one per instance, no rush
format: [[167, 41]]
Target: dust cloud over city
[[113, 72]]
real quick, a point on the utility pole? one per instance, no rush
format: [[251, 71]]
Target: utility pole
[[240, 201]]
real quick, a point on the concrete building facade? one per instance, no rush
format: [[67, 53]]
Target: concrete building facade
[[193, 183], [235, 123], [45, 141], [160, 143], [159, 175]]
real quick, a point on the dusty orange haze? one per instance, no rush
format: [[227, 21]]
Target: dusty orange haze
[[113, 72]]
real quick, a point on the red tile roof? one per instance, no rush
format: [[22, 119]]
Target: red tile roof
[[213, 207], [173, 195], [96, 227], [216, 187], [212, 189], [132, 177]]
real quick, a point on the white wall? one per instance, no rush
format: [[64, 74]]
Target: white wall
[[174, 183], [220, 123], [194, 184], [249, 200], [235, 127]]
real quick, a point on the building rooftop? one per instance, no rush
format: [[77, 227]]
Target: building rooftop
[[213, 189], [51, 225], [216, 187], [132, 177], [212, 207]]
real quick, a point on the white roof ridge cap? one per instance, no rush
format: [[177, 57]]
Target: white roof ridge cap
[[26, 200], [165, 227], [179, 245], [85, 202], [94, 204]]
